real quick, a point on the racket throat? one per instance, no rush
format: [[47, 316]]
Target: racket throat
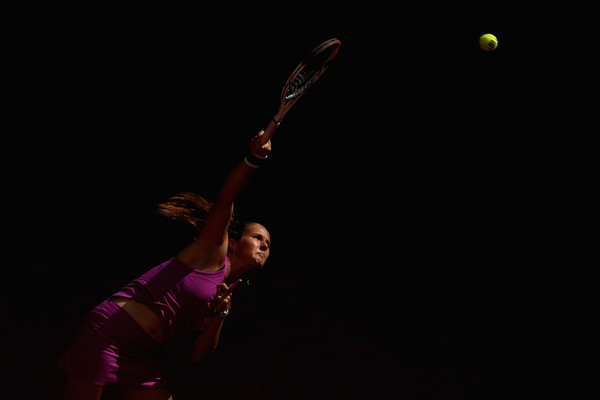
[[270, 130]]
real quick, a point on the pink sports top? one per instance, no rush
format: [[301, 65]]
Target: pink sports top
[[177, 293]]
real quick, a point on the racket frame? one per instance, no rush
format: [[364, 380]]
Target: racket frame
[[286, 105]]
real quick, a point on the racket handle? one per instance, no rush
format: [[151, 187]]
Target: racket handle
[[269, 131]]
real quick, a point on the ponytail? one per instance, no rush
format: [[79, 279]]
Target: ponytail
[[192, 209]]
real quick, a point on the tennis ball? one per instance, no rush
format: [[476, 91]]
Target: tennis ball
[[488, 42]]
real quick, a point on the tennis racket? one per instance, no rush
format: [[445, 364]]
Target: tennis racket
[[304, 76]]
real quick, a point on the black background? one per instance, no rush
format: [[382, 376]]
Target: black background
[[428, 229]]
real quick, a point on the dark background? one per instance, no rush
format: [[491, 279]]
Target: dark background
[[428, 227]]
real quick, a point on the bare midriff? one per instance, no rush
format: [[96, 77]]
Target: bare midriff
[[144, 316]]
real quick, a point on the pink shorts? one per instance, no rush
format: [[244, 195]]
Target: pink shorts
[[112, 348]]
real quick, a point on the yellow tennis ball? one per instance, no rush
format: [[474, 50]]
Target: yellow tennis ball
[[488, 42]]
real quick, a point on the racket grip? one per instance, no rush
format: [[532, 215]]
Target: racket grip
[[269, 131]]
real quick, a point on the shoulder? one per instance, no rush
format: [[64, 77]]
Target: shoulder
[[203, 256]]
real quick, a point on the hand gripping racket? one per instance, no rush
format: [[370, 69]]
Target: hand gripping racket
[[306, 73]]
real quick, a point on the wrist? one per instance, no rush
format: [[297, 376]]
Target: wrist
[[254, 161], [220, 314]]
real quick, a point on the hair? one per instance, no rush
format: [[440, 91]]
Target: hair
[[192, 209]]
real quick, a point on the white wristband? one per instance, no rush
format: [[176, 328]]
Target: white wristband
[[250, 164]]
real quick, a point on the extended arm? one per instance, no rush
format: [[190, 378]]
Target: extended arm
[[209, 250]]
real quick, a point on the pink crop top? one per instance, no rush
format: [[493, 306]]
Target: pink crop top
[[176, 293]]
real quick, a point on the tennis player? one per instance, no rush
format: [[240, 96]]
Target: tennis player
[[127, 341]]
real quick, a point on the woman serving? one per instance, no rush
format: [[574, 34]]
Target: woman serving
[[127, 340]]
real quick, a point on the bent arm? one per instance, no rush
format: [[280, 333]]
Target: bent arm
[[207, 341]]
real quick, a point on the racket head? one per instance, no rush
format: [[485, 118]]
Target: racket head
[[307, 73]]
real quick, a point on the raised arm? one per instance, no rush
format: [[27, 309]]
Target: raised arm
[[209, 250]]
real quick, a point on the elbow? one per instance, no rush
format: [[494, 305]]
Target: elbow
[[198, 357]]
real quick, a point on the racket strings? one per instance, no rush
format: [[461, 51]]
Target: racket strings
[[300, 83], [310, 73]]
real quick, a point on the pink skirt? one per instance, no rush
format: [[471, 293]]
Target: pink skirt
[[112, 348]]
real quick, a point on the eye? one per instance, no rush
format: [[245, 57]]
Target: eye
[[260, 237]]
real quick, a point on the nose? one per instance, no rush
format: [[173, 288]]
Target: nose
[[264, 246]]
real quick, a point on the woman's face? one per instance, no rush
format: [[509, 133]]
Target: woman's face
[[254, 247]]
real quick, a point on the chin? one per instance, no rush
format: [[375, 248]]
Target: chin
[[255, 264]]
